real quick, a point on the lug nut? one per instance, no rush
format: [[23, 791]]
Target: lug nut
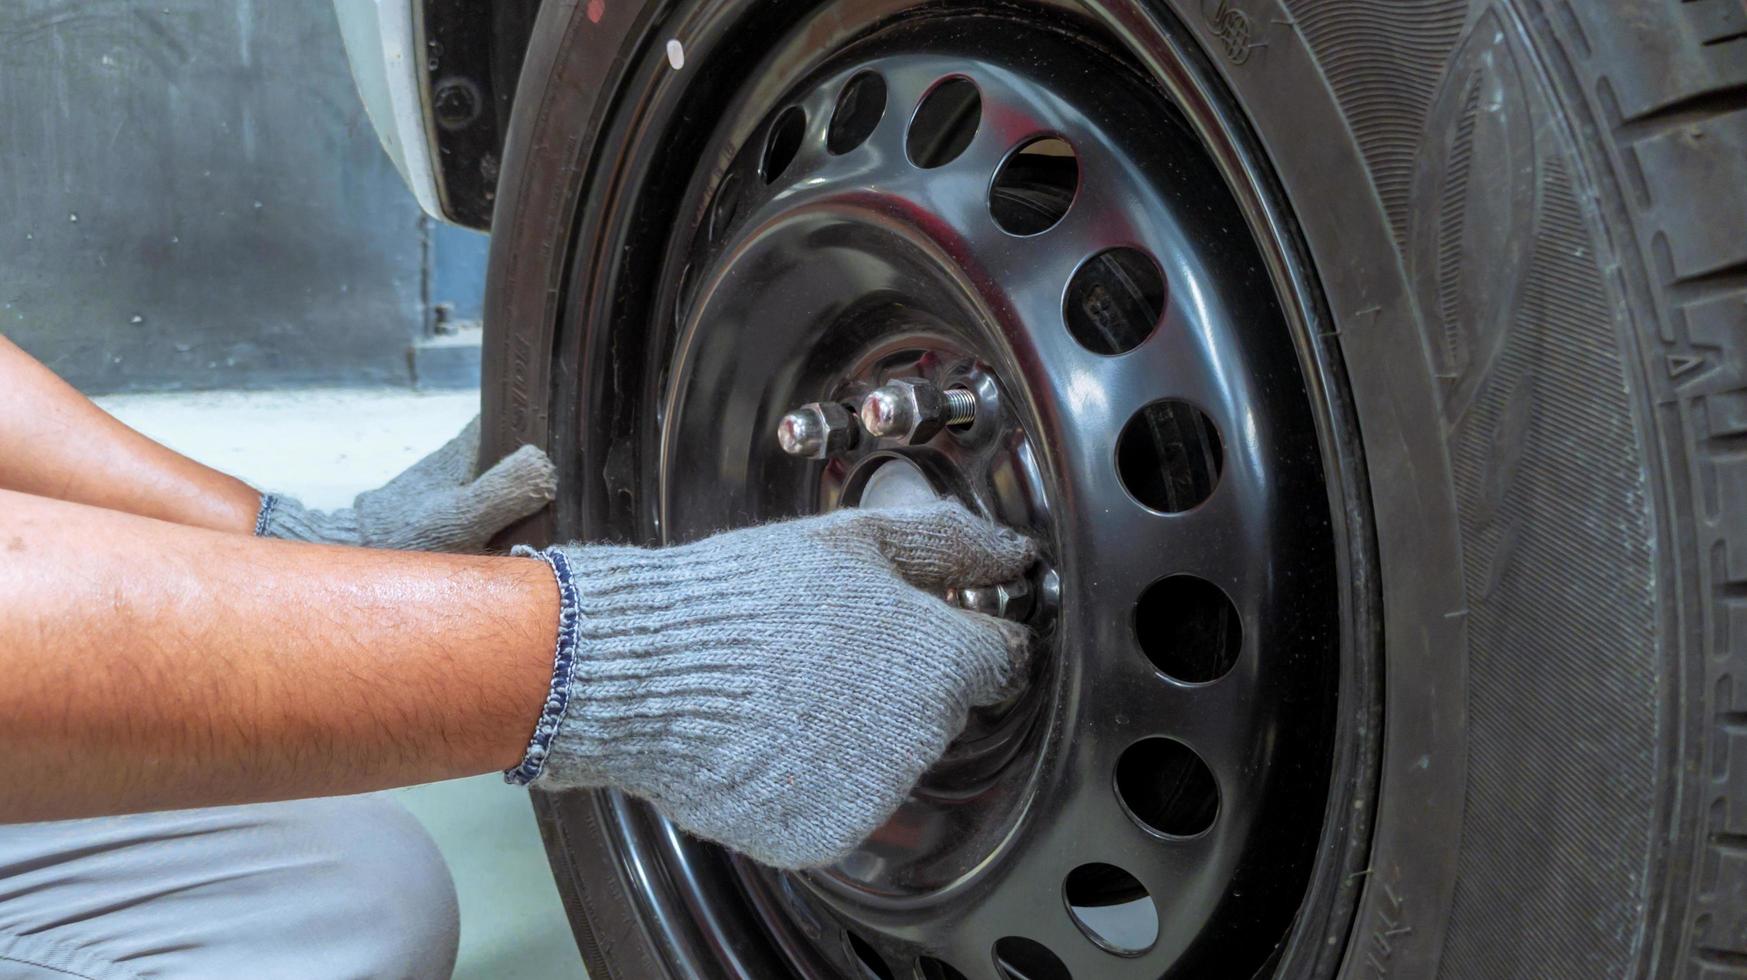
[[1009, 600], [818, 430], [915, 410]]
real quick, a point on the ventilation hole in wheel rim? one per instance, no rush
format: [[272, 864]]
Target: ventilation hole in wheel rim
[[1019, 958], [1169, 456], [929, 968], [1167, 787], [783, 142], [873, 965], [1115, 301], [726, 206], [1188, 628], [944, 123], [860, 106], [1112, 907], [1035, 186]]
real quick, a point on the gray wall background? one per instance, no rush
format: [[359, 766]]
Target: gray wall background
[[191, 196]]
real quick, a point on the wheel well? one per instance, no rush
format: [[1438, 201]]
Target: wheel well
[[470, 62]]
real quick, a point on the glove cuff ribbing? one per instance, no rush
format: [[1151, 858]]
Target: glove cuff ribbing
[[264, 516], [563, 665], [286, 518]]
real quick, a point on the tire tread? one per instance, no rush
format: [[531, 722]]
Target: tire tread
[[1670, 80]]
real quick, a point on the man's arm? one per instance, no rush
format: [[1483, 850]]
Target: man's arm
[[55, 443], [148, 665]]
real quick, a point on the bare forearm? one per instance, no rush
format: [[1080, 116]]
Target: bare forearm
[[55, 443], [149, 666]]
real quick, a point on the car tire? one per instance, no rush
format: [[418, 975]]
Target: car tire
[[1528, 221]]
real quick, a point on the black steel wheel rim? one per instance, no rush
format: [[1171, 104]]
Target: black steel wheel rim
[[1153, 427]]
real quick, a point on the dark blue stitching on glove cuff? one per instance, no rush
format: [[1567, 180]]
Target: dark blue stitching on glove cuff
[[558, 695], [265, 514]]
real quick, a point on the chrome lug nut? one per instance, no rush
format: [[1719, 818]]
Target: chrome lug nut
[[1009, 600], [818, 430], [915, 410]]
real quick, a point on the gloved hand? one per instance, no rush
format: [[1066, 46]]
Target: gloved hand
[[778, 689], [439, 504]]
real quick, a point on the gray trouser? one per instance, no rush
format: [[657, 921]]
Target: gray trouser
[[342, 888]]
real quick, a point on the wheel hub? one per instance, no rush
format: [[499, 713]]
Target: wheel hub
[[1015, 219], [891, 481]]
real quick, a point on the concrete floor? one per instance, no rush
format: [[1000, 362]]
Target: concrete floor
[[323, 446]]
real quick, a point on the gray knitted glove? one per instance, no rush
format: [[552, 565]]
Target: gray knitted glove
[[439, 504], [778, 689]]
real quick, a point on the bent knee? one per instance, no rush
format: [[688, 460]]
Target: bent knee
[[374, 886], [345, 887]]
